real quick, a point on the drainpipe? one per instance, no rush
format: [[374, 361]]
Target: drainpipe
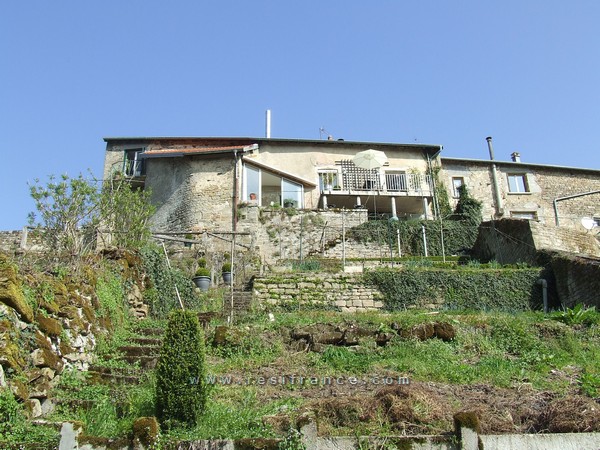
[[235, 191], [544, 284], [497, 196], [560, 199]]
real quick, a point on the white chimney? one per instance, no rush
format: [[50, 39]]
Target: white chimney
[[515, 156], [268, 125]]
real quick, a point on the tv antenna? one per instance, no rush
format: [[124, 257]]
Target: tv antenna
[[324, 132]]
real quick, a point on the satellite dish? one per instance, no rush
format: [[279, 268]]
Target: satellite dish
[[588, 223]]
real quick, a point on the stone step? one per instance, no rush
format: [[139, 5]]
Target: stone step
[[146, 341], [139, 350], [113, 378], [145, 362], [150, 332]]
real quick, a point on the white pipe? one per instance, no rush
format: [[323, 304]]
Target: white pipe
[[268, 125]]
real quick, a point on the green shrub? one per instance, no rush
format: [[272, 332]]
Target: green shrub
[[578, 315], [226, 267], [181, 390], [201, 262], [202, 272]]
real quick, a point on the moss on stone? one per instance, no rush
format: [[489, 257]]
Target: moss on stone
[[466, 419], [10, 291], [49, 326], [146, 430]]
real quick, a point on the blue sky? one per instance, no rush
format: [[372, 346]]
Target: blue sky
[[438, 72]]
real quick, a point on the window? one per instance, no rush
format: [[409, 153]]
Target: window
[[134, 164], [527, 215], [457, 183], [328, 180], [517, 183]]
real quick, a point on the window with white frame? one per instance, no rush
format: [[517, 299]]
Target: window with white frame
[[527, 215], [457, 183], [517, 183], [328, 179], [133, 165]]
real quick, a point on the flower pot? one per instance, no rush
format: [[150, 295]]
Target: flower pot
[[202, 282], [227, 278]]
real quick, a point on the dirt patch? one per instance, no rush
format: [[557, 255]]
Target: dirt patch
[[428, 408]]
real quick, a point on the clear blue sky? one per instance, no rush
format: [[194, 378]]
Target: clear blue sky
[[438, 72]]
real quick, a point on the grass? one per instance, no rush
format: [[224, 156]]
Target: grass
[[499, 350]]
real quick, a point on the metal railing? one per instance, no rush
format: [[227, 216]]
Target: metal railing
[[415, 184]]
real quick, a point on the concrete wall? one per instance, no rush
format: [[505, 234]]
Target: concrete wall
[[306, 159], [545, 183]]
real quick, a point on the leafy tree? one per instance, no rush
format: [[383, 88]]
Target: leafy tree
[[181, 389], [72, 211], [125, 212], [65, 206]]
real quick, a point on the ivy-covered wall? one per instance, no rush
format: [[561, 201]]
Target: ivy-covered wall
[[504, 289], [479, 289]]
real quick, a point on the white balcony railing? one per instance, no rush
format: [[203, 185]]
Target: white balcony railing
[[388, 183]]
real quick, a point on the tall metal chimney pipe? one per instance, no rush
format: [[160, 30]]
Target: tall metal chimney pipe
[[497, 196], [490, 148], [268, 124]]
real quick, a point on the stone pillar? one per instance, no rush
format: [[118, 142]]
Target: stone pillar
[[394, 214], [358, 203], [425, 209], [325, 202]]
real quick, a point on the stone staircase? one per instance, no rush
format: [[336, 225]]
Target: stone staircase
[[141, 355]]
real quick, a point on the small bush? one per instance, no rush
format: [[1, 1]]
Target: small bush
[[181, 390], [226, 267], [202, 272]]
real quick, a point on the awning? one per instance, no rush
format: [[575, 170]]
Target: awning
[[280, 173]]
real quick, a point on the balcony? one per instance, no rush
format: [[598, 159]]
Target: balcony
[[371, 182]]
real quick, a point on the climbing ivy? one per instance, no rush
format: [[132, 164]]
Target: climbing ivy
[[161, 295], [479, 289]]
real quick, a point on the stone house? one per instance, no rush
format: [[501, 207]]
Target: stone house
[[550, 195], [198, 183]]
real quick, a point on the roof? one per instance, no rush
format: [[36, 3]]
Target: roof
[[172, 152], [432, 149], [515, 164]]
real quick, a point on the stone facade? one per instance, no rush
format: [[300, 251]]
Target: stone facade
[[197, 182], [577, 279], [510, 241], [343, 292], [539, 186]]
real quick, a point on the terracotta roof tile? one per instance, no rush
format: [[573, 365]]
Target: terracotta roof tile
[[192, 151]]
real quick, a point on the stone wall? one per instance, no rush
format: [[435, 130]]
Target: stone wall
[[288, 233], [510, 241], [10, 241], [191, 193], [343, 292], [544, 184], [577, 279]]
